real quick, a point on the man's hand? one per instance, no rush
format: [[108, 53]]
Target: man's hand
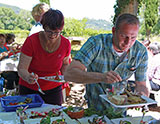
[[111, 77]]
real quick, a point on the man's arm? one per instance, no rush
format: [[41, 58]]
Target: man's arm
[[77, 72], [141, 87]]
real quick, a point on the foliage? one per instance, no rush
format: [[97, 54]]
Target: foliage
[[98, 24], [156, 28], [12, 21], [74, 27], [118, 7], [45, 1], [150, 15]]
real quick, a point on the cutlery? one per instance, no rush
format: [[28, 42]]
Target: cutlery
[[52, 78], [144, 110], [39, 88]]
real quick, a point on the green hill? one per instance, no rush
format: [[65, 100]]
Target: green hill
[[16, 9], [91, 23]]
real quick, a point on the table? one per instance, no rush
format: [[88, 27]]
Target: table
[[12, 118], [9, 64]]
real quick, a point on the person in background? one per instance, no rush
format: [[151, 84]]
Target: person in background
[[11, 77], [103, 61], [45, 53], [10, 44], [154, 66], [3, 50], [37, 13]]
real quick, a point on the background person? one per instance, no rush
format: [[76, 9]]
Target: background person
[[37, 13], [96, 61], [154, 66], [10, 44], [3, 50], [45, 53], [11, 77]]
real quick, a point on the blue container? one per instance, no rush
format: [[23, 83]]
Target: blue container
[[36, 101], [1, 83]]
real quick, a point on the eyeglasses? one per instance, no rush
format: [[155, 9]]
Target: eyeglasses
[[51, 33]]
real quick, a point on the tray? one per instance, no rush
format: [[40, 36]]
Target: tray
[[52, 78], [149, 102], [36, 101], [84, 120], [48, 108], [133, 120]]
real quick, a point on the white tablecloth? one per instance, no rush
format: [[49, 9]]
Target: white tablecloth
[[12, 118], [9, 64]]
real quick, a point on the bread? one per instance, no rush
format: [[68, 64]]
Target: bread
[[118, 99]]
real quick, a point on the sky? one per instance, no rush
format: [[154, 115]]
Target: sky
[[78, 9]]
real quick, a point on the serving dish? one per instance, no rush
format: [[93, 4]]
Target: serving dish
[[149, 101], [68, 120], [133, 120], [8, 102], [84, 120], [58, 78]]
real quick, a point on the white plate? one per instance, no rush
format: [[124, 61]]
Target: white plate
[[133, 120], [84, 120], [52, 78], [44, 109], [7, 118], [149, 102], [37, 121]]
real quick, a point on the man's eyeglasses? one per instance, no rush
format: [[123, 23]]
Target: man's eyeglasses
[[51, 33]]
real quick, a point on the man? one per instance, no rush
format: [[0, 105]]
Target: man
[[37, 13], [96, 61], [154, 66]]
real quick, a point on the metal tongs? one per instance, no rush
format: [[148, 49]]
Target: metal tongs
[[39, 88]]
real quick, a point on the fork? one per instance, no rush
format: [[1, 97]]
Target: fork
[[39, 88]]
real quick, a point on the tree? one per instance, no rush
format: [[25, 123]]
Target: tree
[[45, 1], [7, 18], [150, 11], [150, 15]]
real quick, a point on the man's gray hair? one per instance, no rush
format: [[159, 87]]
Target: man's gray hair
[[127, 18]]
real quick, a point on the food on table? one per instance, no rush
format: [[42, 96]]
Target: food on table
[[52, 113], [27, 101], [91, 111], [21, 113], [59, 121], [126, 98], [118, 99], [75, 112], [2, 95], [97, 120], [45, 120], [124, 122]]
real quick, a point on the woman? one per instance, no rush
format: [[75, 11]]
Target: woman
[[3, 50], [11, 77], [37, 13], [45, 53], [10, 44]]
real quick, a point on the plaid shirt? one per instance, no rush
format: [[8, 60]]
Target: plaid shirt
[[97, 55]]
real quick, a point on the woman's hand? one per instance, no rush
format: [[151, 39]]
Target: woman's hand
[[31, 78]]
